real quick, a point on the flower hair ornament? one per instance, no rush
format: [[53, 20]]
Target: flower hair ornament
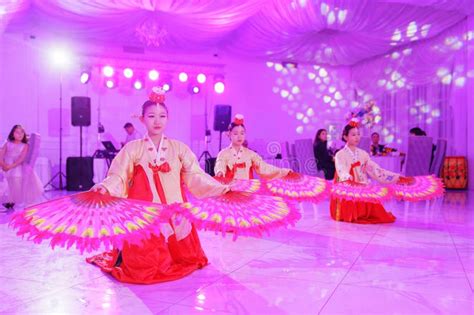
[[353, 123], [157, 95], [238, 119]]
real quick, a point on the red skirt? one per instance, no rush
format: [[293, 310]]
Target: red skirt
[[155, 260], [359, 212]]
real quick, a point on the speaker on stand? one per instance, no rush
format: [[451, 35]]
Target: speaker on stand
[[80, 114], [80, 170], [222, 118]]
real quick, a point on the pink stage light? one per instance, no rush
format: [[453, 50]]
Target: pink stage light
[[110, 83], [166, 87], [183, 77], [108, 71], [138, 85], [219, 87], [85, 77], [153, 75], [201, 78], [128, 73]]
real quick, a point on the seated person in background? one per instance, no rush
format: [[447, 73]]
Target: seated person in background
[[324, 157], [132, 134], [379, 149]]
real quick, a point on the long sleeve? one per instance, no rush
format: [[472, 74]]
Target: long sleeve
[[120, 173], [198, 182], [220, 164], [379, 174], [266, 170], [343, 167]]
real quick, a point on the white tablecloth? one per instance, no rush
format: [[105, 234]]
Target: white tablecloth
[[100, 170], [43, 169], [390, 163]]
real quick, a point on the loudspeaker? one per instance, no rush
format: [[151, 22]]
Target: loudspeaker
[[79, 173], [222, 116], [81, 111], [209, 167]]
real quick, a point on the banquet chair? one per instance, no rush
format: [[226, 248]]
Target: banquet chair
[[439, 156], [418, 156]]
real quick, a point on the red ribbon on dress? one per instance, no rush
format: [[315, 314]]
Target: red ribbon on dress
[[156, 169], [230, 173], [353, 166]]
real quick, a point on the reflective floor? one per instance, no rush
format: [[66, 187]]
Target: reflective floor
[[421, 264]]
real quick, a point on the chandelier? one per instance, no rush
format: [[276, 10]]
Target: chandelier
[[150, 33]]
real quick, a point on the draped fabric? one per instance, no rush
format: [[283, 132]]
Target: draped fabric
[[332, 32]]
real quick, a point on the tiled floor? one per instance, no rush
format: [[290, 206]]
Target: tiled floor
[[422, 264]]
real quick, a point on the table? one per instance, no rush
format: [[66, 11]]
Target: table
[[43, 169]]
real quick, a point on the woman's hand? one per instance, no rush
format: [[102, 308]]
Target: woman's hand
[[220, 174], [99, 188]]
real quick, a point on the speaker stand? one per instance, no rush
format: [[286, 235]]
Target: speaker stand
[[60, 173], [206, 155], [80, 150]]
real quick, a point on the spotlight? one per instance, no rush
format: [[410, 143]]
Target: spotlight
[[85, 77], [60, 57], [108, 71], [153, 75], [193, 88], [138, 85], [219, 87], [183, 77], [110, 83], [128, 73], [166, 87], [201, 78]]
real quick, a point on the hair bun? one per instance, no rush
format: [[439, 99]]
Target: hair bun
[[157, 95], [354, 123], [238, 119]]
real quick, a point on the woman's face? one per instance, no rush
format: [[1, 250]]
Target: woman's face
[[353, 138], [323, 136], [155, 120], [18, 134], [237, 135]]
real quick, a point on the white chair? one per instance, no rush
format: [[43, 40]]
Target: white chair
[[418, 156], [291, 156], [365, 143], [33, 150], [439, 156], [305, 156], [30, 178]]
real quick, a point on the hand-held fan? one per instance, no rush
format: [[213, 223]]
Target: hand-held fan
[[418, 188], [88, 220], [299, 187], [360, 192], [239, 212]]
